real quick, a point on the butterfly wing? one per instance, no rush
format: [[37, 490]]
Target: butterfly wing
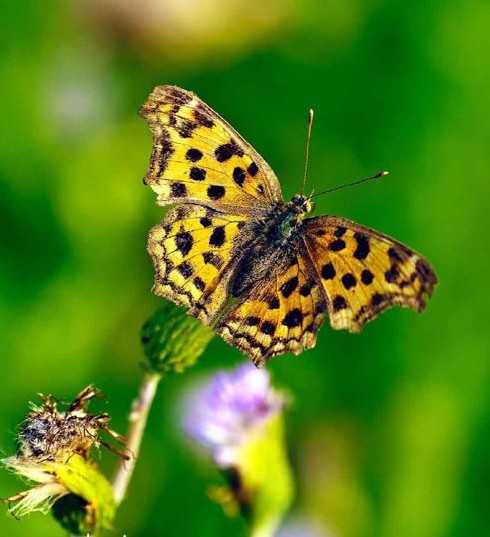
[[279, 314], [199, 158], [191, 251], [364, 272]]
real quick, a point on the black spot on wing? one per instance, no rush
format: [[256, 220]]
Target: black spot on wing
[[288, 287], [203, 119], [212, 259], [181, 212], [425, 272], [253, 169], [337, 245], [252, 321], [339, 303], [377, 299], [366, 277], [349, 280], [239, 176], [197, 174], [293, 318], [328, 271], [395, 255], [185, 128], [177, 96], [217, 237], [268, 328], [160, 159], [185, 269], [216, 192], [399, 253], [392, 274], [273, 302], [362, 250], [340, 231], [226, 151], [184, 242], [199, 283], [306, 288], [178, 190], [320, 307], [193, 155]]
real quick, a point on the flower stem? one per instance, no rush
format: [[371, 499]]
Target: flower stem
[[137, 422]]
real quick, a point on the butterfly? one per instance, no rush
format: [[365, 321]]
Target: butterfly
[[249, 264]]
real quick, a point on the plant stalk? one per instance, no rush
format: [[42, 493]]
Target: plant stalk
[[137, 423]]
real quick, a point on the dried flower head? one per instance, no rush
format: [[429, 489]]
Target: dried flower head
[[53, 452], [52, 434]]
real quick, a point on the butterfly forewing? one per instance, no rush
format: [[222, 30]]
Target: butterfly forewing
[[197, 157], [364, 272]]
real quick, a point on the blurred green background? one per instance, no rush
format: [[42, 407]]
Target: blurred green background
[[389, 432]]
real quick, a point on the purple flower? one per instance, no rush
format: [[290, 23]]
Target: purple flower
[[224, 412]]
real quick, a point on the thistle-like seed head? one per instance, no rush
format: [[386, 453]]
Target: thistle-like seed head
[[48, 433], [54, 444]]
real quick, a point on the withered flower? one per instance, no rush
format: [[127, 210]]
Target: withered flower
[[54, 447]]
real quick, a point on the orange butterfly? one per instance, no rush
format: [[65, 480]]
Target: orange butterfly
[[244, 261]]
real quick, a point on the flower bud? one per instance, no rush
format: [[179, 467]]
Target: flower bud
[[172, 340]]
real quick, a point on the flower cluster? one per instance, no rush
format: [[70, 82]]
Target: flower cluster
[[237, 418], [223, 414]]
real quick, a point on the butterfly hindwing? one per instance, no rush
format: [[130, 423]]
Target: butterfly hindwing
[[197, 157], [364, 272], [190, 251], [280, 314]]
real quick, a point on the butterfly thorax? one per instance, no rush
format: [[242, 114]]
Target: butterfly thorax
[[286, 220]]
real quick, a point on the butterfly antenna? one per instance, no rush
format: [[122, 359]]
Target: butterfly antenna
[[354, 183], [307, 147]]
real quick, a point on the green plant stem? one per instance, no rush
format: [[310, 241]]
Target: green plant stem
[[137, 422]]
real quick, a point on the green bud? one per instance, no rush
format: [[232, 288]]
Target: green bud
[[173, 341]]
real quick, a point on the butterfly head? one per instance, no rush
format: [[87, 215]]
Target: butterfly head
[[301, 205]]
